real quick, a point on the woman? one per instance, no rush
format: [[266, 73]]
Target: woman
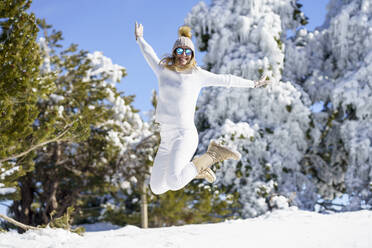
[[180, 81]]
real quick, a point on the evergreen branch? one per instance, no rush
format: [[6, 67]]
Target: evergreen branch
[[73, 170], [19, 224], [142, 142], [59, 137], [134, 149]]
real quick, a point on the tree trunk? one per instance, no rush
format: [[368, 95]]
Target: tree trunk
[[144, 216], [22, 208], [25, 213]]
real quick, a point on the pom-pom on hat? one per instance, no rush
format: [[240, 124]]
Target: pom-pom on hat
[[184, 39]]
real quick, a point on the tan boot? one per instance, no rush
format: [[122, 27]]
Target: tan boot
[[215, 153], [208, 175]]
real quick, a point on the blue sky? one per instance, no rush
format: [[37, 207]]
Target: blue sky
[[108, 26]]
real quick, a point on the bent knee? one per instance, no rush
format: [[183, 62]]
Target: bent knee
[[157, 189], [173, 181]]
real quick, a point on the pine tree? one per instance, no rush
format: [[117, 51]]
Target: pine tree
[[20, 88], [24, 87], [332, 65], [75, 170], [268, 126]]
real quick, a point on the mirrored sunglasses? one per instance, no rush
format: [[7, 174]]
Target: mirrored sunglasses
[[180, 50]]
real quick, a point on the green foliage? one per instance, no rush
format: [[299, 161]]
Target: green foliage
[[288, 108], [203, 39], [279, 42], [298, 14], [20, 88], [28, 121], [64, 222], [20, 84], [125, 210], [196, 203]]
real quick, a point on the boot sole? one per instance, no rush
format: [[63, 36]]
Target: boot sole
[[211, 178], [208, 175]]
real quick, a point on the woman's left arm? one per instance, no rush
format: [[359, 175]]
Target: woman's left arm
[[228, 80]]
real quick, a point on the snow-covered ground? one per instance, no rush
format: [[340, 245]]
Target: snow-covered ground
[[279, 229]]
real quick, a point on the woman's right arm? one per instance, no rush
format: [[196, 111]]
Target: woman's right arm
[[147, 51]]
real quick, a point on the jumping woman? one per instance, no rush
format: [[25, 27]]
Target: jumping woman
[[180, 81]]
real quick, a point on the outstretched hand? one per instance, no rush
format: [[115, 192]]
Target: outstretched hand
[[138, 30], [264, 80]]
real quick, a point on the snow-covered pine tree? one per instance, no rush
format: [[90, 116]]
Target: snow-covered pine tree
[[268, 126], [333, 64]]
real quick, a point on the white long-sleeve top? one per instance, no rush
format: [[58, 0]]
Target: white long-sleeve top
[[179, 91]]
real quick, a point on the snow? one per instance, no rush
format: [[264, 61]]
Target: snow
[[102, 64], [102, 226], [4, 173], [56, 98], [46, 50], [281, 228], [5, 191]]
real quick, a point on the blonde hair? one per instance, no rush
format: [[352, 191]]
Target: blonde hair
[[169, 61]]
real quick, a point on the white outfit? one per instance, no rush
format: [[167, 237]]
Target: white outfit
[[178, 93]]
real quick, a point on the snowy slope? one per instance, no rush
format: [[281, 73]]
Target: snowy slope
[[280, 229]]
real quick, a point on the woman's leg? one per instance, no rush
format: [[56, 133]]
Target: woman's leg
[[158, 183], [181, 171], [172, 168]]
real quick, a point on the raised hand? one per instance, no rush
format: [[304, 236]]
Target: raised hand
[[264, 80], [138, 30]]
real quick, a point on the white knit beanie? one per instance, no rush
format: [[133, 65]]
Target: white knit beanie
[[184, 39]]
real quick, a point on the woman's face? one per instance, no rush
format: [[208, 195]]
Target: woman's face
[[183, 55]]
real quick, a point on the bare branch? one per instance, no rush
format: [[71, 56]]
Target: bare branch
[[59, 137], [19, 224]]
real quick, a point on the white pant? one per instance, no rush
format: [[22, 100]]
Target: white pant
[[172, 168]]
